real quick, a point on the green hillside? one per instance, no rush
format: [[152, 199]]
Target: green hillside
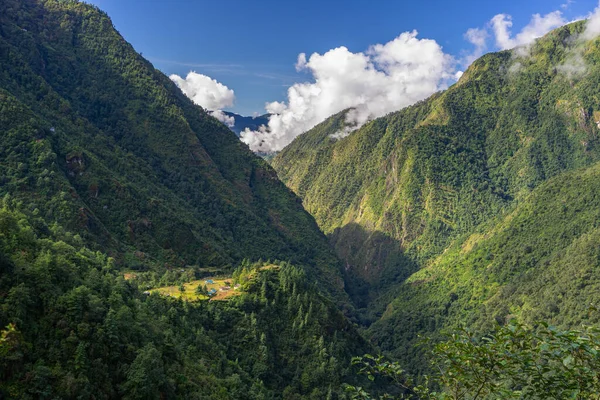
[[537, 262], [97, 140], [419, 204]]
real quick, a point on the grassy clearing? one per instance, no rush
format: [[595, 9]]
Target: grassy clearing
[[190, 290]]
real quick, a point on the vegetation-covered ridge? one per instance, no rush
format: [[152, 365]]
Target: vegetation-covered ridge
[[470, 206], [98, 141]]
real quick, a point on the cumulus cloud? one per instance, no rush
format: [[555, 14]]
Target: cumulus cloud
[[208, 93], [224, 118], [388, 77], [575, 65], [592, 28], [275, 107], [499, 28], [385, 78], [205, 91], [478, 38], [537, 27]]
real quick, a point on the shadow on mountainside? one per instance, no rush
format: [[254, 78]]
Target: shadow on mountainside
[[374, 262]]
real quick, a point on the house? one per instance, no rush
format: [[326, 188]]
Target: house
[[209, 282], [212, 292]]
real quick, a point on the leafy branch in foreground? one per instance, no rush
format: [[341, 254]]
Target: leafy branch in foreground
[[516, 362]]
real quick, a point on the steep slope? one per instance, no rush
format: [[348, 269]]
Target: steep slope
[[537, 262], [96, 139], [105, 166], [471, 207], [396, 193]]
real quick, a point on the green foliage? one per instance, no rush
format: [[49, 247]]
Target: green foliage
[[538, 262], [146, 378], [516, 362]]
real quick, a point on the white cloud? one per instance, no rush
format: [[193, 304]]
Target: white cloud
[[592, 28], [515, 68], [388, 77], [575, 64], [301, 63], [275, 107], [205, 91], [224, 118], [385, 78], [537, 27], [499, 27], [478, 38]]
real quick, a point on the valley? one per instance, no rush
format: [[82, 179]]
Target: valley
[[449, 249]]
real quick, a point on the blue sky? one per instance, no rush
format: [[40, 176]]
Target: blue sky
[[252, 46]]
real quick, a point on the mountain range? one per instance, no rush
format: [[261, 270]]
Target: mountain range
[[242, 123], [113, 181], [474, 207]]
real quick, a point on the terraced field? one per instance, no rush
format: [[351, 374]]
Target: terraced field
[[190, 290]]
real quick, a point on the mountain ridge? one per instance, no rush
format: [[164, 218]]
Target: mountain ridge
[[242, 123], [399, 194]]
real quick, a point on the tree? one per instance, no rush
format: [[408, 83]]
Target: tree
[[202, 290], [146, 378], [516, 362]]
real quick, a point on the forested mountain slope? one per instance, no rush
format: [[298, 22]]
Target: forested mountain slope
[[471, 188], [537, 262], [105, 168], [412, 181], [96, 139]]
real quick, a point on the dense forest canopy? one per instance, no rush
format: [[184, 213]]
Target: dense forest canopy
[[73, 327]]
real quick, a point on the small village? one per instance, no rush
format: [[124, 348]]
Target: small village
[[212, 289]]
